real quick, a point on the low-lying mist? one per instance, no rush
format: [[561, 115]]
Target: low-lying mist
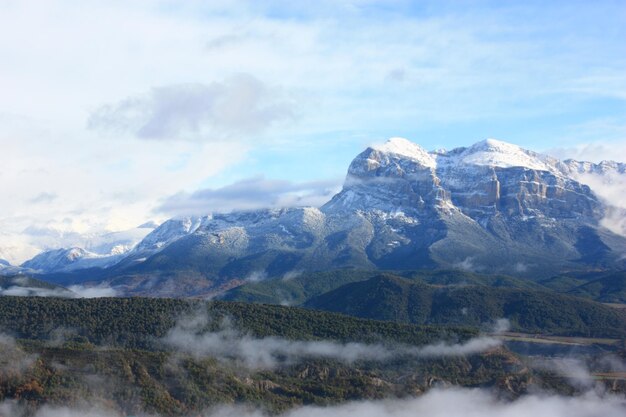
[[228, 343], [20, 288], [438, 402]]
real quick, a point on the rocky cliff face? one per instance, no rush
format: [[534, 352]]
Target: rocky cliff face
[[488, 179], [492, 207]]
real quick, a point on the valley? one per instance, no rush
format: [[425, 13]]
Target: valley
[[125, 355], [482, 268]]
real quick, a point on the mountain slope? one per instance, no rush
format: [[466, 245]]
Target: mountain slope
[[21, 285], [610, 288], [386, 297], [606, 287], [295, 290]]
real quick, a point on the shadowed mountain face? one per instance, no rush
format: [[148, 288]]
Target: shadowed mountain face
[[492, 207]]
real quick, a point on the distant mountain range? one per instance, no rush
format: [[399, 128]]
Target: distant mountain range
[[492, 207]]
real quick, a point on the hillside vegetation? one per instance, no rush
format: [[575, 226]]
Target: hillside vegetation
[[606, 287], [136, 322], [107, 352], [388, 297], [299, 289]]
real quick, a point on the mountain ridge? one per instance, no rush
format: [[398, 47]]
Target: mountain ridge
[[492, 207]]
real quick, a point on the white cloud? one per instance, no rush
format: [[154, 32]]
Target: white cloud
[[189, 336], [473, 403], [97, 291], [20, 291], [13, 359], [596, 151], [21, 286], [43, 197], [467, 264], [610, 188], [239, 105]]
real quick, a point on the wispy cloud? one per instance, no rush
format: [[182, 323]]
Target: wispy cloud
[[22, 286], [611, 189], [249, 194], [19, 291], [190, 336], [239, 105], [43, 197], [13, 359], [97, 291]]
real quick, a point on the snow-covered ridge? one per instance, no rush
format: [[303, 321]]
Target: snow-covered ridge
[[490, 181], [495, 153], [489, 152], [65, 260]]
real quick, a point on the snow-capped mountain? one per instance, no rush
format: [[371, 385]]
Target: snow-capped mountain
[[99, 251], [64, 260], [490, 207]]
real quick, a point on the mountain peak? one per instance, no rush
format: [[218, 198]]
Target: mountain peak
[[488, 152], [495, 145], [150, 224], [406, 148], [496, 153]]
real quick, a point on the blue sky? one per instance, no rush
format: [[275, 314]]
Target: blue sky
[[111, 108]]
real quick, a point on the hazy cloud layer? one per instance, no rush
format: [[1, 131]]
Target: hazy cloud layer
[[240, 105], [19, 291], [228, 343], [250, 194]]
